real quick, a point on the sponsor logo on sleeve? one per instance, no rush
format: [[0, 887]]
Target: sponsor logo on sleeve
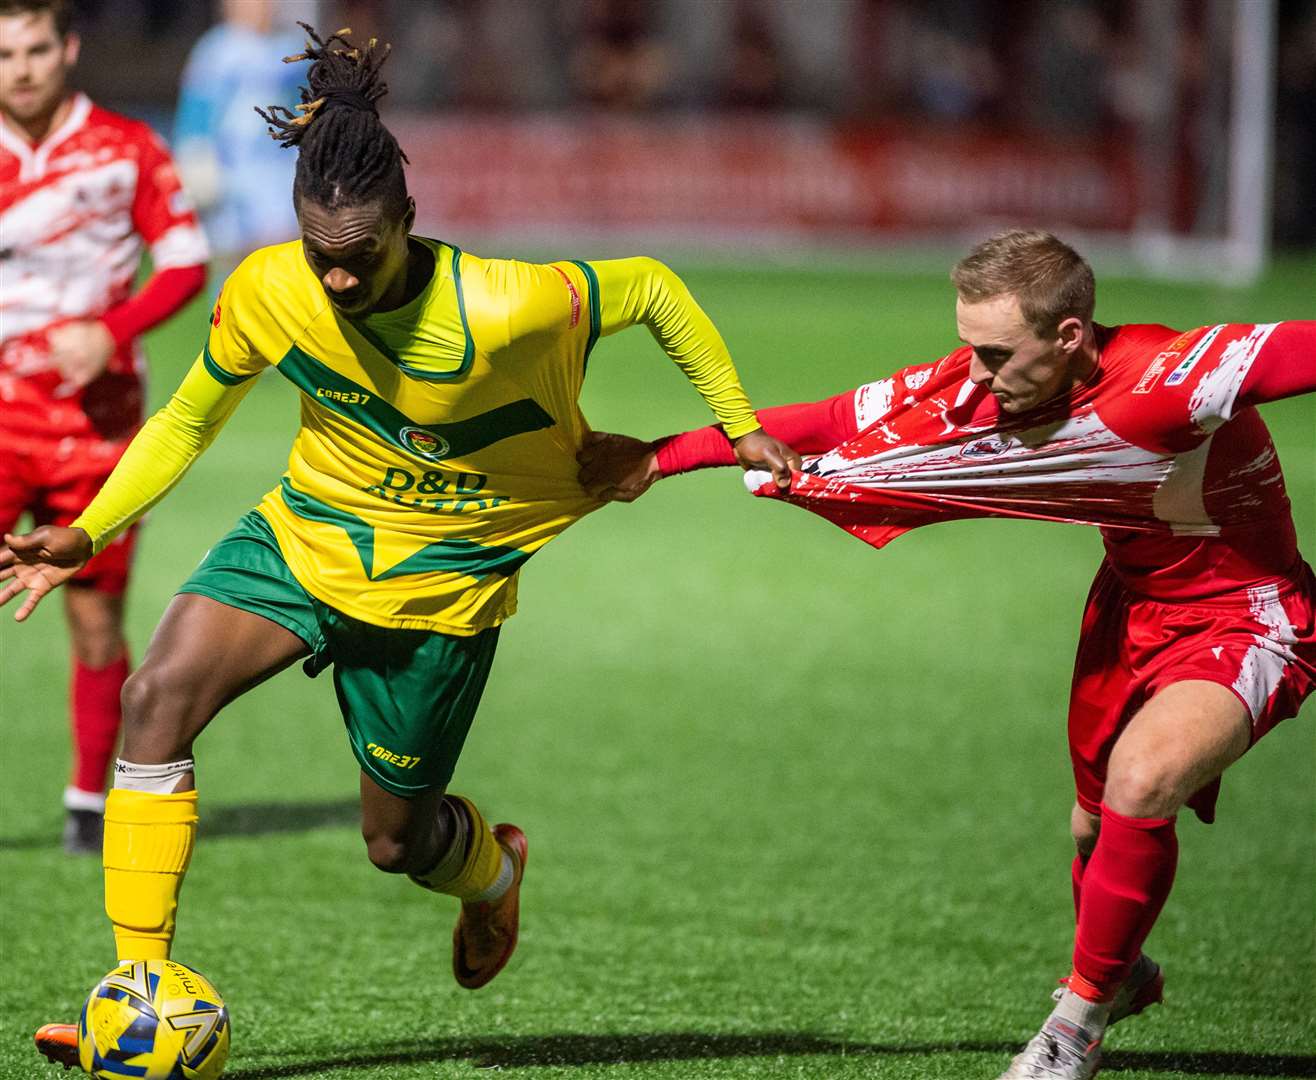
[[1154, 371], [1186, 365], [214, 319], [575, 297]]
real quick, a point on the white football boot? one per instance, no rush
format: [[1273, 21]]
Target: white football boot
[[1060, 1051]]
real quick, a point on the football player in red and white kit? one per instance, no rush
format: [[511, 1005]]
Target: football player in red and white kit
[[1199, 633], [82, 192]]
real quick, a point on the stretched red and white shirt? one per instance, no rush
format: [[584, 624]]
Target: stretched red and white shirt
[[1161, 448], [76, 212]]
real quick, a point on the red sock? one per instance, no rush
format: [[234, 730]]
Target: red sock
[[96, 721], [1125, 883], [1076, 876]]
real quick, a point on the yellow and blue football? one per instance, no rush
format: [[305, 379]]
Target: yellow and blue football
[[154, 1020]]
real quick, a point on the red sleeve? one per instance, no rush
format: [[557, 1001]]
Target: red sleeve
[[159, 204], [813, 428], [165, 292], [1285, 366], [162, 216]]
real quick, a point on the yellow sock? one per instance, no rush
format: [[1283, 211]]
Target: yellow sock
[[475, 874], [148, 844]]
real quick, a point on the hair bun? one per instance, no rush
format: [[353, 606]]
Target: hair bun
[[347, 98]]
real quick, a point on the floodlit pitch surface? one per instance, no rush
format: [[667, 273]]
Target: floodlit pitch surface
[[795, 807]]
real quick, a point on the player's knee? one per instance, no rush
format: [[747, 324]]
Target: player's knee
[[1141, 786], [389, 853], [144, 691], [1084, 828], [154, 715]]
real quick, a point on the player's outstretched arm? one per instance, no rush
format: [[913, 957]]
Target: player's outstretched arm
[[618, 468], [39, 562], [644, 291], [1285, 367]]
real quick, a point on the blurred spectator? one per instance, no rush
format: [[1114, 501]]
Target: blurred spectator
[[928, 61], [1295, 134], [1070, 53], [954, 78], [621, 61], [956, 75], [427, 72], [238, 175], [753, 76]]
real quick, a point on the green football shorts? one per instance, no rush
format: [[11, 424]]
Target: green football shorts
[[407, 696]]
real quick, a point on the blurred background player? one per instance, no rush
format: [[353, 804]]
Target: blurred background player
[[82, 192], [228, 165]]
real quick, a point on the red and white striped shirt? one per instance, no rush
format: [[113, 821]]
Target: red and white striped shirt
[[1160, 447], [76, 212]]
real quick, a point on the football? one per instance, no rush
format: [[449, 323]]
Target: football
[[154, 1019]]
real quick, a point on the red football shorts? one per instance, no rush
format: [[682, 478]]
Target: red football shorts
[[1262, 647], [53, 481]]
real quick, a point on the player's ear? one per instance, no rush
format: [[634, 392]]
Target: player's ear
[[72, 46], [409, 218], [1069, 333]]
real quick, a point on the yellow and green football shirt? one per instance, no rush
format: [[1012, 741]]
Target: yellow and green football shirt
[[437, 445]]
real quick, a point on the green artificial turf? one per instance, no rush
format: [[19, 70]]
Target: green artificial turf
[[795, 807]]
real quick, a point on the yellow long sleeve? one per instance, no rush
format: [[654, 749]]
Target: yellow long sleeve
[[643, 290], [161, 453]]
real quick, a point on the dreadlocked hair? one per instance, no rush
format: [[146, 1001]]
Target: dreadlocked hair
[[346, 156]]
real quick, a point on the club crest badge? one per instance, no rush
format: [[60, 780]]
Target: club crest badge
[[989, 447], [424, 443]]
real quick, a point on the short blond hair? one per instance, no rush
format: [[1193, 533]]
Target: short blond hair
[[1052, 281]]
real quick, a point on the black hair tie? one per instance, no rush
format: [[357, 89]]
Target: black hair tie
[[348, 99]]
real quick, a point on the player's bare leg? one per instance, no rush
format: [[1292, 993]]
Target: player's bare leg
[[404, 836], [202, 656], [443, 843], [100, 667], [1182, 739]]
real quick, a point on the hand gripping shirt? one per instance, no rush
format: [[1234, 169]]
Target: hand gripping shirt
[[437, 445]]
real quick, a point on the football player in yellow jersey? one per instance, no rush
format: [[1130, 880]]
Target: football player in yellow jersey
[[437, 453]]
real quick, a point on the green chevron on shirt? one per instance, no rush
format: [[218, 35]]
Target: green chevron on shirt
[[450, 556]]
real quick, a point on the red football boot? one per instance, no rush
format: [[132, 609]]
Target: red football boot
[[59, 1042], [485, 935]]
